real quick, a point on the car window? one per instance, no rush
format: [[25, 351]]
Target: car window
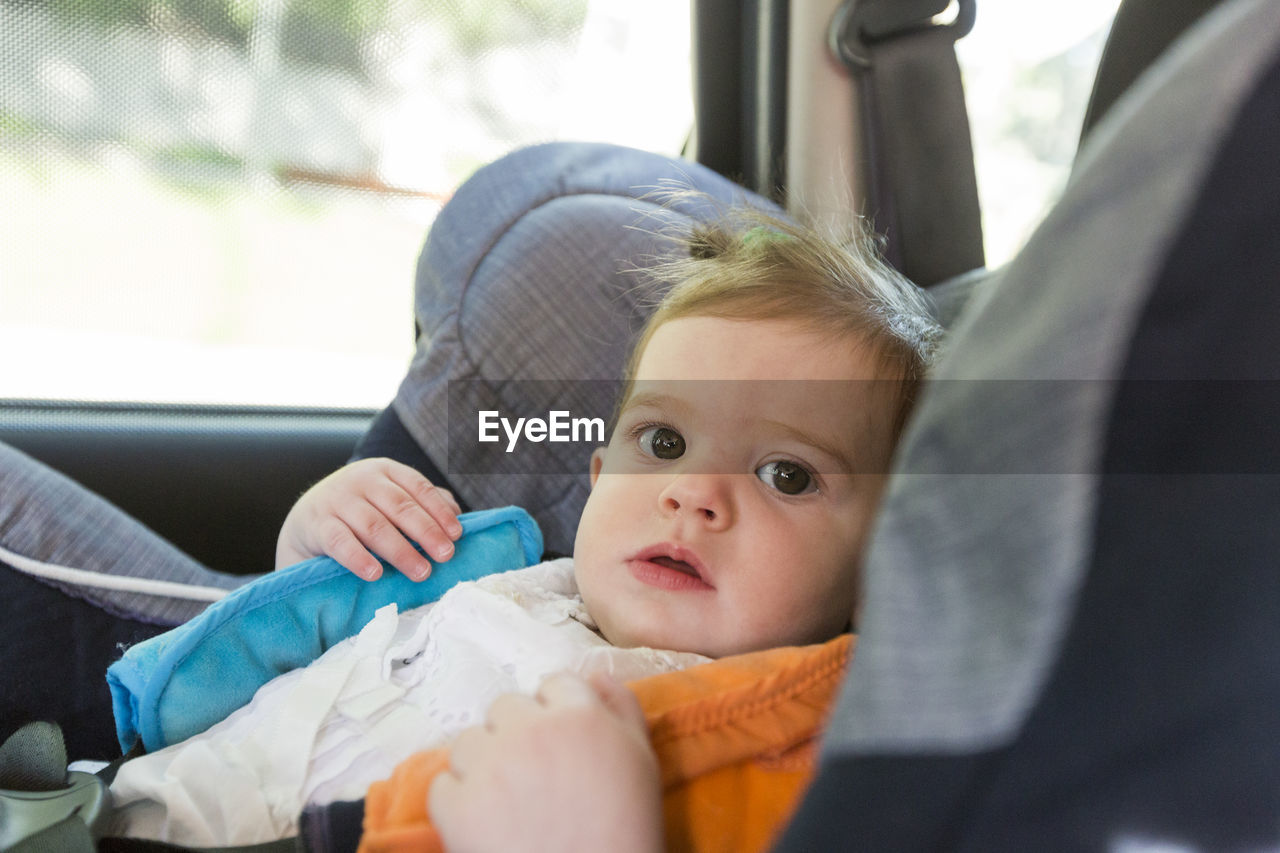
[[1028, 70], [221, 201]]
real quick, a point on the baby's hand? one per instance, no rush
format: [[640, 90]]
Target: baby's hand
[[570, 769], [371, 506]]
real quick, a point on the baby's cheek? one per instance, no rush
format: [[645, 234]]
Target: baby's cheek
[[596, 604], [812, 610], [835, 610]]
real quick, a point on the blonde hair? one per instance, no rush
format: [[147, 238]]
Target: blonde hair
[[751, 265]]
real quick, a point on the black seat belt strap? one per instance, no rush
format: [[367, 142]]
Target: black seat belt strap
[[922, 191]]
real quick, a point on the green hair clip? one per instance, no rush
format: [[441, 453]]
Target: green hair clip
[[763, 236]]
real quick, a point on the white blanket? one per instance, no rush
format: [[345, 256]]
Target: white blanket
[[407, 682]]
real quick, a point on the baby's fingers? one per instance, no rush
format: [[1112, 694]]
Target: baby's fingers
[[618, 698], [380, 532], [425, 513], [567, 690], [342, 544]]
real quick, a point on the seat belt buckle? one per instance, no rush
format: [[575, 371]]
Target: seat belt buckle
[[24, 814]]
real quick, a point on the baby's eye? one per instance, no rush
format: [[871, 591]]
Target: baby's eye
[[661, 442], [790, 478]]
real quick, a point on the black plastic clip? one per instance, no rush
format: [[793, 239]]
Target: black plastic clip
[[857, 24]]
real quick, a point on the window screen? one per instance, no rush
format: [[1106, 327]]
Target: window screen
[[223, 200]]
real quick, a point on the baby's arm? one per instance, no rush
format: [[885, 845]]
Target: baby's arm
[[371, 506], [570, 769]]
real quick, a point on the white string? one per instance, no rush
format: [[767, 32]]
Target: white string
[[81, 577]]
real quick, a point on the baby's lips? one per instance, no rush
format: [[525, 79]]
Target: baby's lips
[[675, 553]]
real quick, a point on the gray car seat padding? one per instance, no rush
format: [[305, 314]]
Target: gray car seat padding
[[530, 273], [54, 529]]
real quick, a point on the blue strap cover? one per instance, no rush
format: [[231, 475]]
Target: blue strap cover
[[179, 683]]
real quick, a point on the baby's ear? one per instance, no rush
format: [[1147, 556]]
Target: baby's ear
[[597, 462]]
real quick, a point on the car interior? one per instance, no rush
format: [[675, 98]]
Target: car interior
[[1077, 552], [166, 463]]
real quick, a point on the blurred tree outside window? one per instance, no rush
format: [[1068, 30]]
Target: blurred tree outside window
[[223, 200], [1028, 69]]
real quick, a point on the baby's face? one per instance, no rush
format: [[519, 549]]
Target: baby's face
[[729, 510]]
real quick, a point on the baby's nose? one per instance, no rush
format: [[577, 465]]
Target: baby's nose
[[705, 497]]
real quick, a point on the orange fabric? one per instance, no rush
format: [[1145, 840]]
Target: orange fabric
[[736, 743]]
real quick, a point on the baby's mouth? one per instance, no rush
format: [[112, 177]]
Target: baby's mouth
[[678, 565], [671, 566]]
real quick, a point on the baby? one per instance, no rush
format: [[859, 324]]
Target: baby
[[727, 514]]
